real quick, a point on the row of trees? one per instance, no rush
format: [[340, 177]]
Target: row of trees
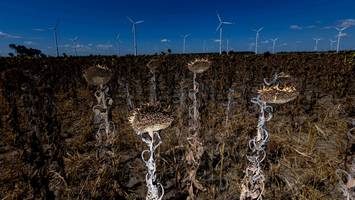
[[24, 51]]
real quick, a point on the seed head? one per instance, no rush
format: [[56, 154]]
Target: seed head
[[199, 65], [277, 95], [97, 75], [149, 118], [154, 64]]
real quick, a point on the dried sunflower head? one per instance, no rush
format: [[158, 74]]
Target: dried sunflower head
[[149, 118], [97, 75], [277, 95], [199, 65]]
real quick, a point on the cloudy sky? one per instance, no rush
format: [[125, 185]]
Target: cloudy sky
[[91, 27]]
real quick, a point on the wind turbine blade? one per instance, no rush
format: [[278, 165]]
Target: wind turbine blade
[[260, 29], [139, 22], [227, 22], [344, 28], [219, 26], [131, 20], [219, 17], [118, 36], [341, 29]]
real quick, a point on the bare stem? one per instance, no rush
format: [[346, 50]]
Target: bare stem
[[253, 182], [106, 131], [152, 185], [195, 145]]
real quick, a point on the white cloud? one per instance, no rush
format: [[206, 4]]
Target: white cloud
[[28, 42], [38, 29], [164, 40], [104, 46], [295, 27], [346, 22], [82, 47], [342, 35], [6, 35], [311, 26], [328, 27], [283, 44], [65, 46]]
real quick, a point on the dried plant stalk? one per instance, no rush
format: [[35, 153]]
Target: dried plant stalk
[[195, 148], [347, 179], [150, 119], [106, 131], [98, 76], [253, 183], [254, 180]]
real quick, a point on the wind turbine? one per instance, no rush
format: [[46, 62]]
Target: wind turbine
[[55, 32], [184, 42], [74, 40], [118, 43], [204, 46], [227, 46], [340, 32], [316, 43], [134, 23], [220, 28], [273, 44], [257, 38], [331, 42]]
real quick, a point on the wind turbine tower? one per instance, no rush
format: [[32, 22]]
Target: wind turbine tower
[[118, 44], [184, 42], [316, 43], [273, 44], [204, 46], [227, 46], [74, 40], [220, 28], [257, 38], [340, 34], [134, 23], [55, 32], [331, 44]]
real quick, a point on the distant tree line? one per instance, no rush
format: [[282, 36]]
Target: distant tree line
[[24, 51]]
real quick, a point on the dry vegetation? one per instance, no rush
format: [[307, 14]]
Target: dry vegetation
[[48, 148]]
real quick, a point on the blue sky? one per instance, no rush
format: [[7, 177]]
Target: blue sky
[[96, 23]]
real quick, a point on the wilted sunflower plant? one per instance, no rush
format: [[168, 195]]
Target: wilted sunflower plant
[[99, 76], [253, 185], [147, 121], [347, 178], [195, 148]]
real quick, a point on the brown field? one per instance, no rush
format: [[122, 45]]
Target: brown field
[[48, 149]]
